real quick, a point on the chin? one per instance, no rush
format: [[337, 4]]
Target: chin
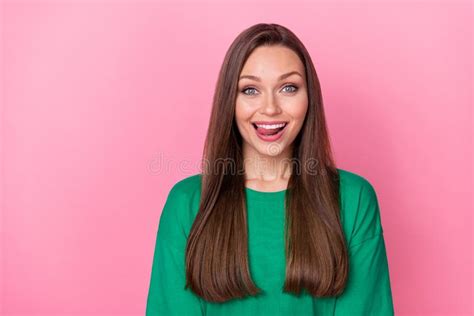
[[272, 149]]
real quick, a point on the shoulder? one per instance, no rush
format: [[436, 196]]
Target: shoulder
[[182, 204], [351, 182], [186, 187], [360, 212], [355, 188]]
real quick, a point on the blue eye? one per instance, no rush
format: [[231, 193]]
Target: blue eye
[[295, 88], [243, 91], [290, 85]]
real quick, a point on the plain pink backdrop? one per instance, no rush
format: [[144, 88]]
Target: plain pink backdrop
[[105, 105]]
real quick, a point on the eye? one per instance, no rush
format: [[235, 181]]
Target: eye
[[245, 89], [295, 88]]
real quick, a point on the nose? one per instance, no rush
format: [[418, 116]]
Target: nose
[[270, 106]]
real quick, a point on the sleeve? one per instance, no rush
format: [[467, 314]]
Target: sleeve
[[167, 295], [368, 290]]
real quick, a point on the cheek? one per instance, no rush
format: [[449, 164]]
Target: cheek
[[243, 112], [301, 113], [242, 117], [297, 110]]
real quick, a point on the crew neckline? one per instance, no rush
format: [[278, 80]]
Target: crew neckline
[[267, 192], [262, 195]]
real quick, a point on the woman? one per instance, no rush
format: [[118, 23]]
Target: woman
[[271, 226]]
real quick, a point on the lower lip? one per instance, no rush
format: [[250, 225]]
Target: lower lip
[[271, 138]]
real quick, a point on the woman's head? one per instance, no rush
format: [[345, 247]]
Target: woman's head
[[268, 51], [272, 100], [315, 250]]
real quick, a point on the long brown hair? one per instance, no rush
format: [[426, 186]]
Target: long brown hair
[[217, 265]]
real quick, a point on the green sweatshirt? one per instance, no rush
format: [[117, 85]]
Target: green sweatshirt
[[368, 290]]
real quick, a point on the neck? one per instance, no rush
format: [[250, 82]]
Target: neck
[[265, 168]]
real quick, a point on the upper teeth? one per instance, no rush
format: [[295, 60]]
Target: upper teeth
[[266, 126]]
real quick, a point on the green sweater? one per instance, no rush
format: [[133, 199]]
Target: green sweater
[[368, 290]]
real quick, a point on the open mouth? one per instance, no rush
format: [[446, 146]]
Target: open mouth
[[269, 129]]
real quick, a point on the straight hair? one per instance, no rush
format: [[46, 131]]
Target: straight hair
[[217, 262]]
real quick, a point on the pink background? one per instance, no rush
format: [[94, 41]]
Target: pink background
[[105, 105]]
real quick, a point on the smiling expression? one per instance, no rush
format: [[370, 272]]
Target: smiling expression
[[271, 97]]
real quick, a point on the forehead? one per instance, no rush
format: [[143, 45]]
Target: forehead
[[269, 62]]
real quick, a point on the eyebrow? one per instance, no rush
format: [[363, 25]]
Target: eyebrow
[[280, 78]]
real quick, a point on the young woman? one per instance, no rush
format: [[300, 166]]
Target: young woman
[[271, 226]]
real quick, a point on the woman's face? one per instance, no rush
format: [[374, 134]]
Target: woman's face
[[272, 100]]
